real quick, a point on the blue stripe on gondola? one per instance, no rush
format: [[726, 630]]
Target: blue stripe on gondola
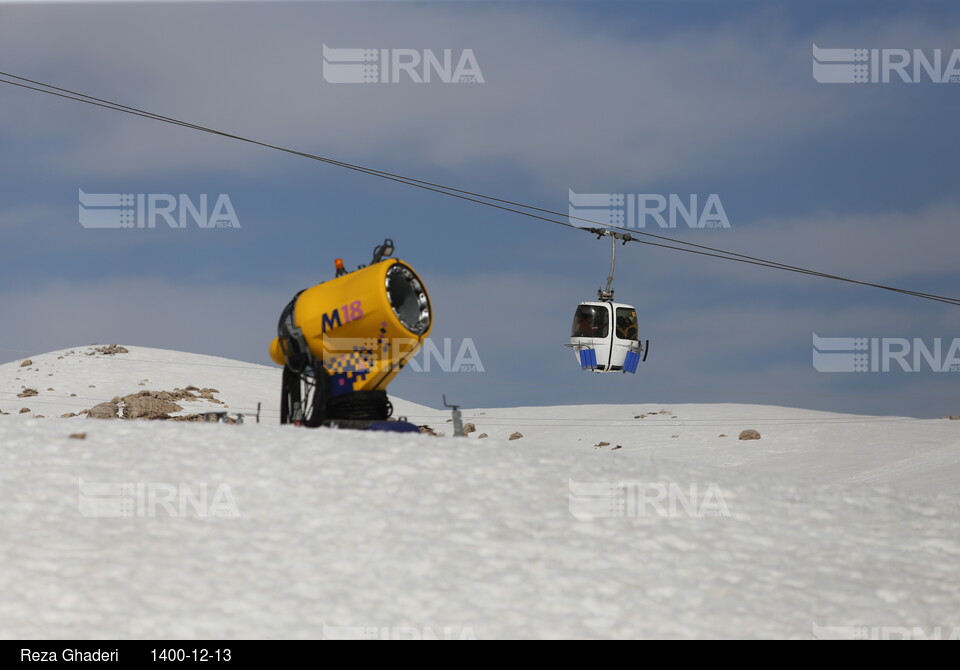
[[631, 361], [588, 359]]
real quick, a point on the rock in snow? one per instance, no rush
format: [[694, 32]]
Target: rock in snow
[[105, 410]]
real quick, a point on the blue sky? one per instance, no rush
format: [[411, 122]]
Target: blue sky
[[655, 97]]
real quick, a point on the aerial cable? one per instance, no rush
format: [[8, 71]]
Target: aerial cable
[[467, 195]]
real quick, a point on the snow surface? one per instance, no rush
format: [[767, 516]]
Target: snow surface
[[829, 526]]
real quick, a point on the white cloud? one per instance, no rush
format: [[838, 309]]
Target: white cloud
[[231, 321], [563, 102], [27, 215], [876, 247]]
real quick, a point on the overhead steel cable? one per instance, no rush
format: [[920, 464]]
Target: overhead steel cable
[[470, 196]]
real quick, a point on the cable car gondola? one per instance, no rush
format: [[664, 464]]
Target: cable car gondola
[[606, 335]]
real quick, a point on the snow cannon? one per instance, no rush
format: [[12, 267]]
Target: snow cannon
[[343, 341]]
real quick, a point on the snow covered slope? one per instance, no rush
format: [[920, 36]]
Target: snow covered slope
[[829, 525], [75, 379], [805, 445]]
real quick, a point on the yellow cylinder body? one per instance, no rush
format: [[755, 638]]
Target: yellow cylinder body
[[363, 326]]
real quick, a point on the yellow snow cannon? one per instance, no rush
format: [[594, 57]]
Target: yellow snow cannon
[[343, 341]]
